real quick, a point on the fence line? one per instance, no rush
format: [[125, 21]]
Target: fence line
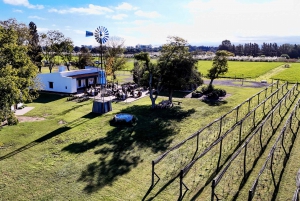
[[221, 123], [234, 137], [248, 154], [269, 177]]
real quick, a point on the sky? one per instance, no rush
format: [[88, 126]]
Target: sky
[[200, 22]]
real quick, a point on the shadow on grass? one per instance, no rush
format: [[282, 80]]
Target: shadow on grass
[[47, 97], [120, 150], [214, 102], [176, 94], [50, 135]]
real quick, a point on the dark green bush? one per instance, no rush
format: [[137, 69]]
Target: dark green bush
[[12, 119]]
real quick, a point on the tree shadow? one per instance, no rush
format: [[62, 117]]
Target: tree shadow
[[212, 102], [47, 97], [176, 94], [120, 150], [50, 135]]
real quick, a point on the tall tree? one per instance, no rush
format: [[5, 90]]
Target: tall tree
[[219, 66], [226, 45], [84, 58], [52, 46], [148, 73], [114, 55], [21, 29], [177, 65], [67, 48], [17, 73], [34, 49]]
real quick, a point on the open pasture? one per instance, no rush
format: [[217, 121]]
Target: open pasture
[[76, 155], [239, 69], [291, 74]]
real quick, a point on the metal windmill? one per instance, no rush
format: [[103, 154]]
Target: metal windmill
[[101, 35]]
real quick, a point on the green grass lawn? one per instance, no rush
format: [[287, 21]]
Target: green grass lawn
[[76, 155], [291, 74], [241, 69]]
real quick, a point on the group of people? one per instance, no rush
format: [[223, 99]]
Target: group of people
[[127, 90]]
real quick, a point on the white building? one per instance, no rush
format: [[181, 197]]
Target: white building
[[70, 81]]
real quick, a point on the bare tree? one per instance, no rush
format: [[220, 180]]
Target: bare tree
[[115, 59]]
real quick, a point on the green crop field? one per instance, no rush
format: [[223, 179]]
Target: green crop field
[[291, 74], [241, 69]]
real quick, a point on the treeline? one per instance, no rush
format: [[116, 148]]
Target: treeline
[[266, 49], [134, 50]]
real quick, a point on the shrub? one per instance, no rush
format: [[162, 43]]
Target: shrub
[[216, 94], [12, 119], [207, 89]]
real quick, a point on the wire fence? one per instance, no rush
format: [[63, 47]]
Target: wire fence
[[227, 183], [210, 161], [267, 182], [183, 153]]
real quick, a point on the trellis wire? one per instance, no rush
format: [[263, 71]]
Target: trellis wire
[[230, 140], [270, 173], [222, 124], [241, 154], [225, 121], [296, 193]]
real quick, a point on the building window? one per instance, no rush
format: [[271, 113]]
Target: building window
[[51, 85]]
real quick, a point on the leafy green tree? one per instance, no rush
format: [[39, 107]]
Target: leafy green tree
[[148, 75], [17, 73], [34, 49], [84, 58], [52, 46], [219, 66], [177, 66], [67, 48], [22, 30]]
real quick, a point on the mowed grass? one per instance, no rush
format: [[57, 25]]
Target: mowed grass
[[291, 74], [238, 69], [76, 155]]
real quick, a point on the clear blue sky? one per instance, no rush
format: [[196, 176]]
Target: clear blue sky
[[200, 22]]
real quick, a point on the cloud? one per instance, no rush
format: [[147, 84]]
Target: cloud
[[126, 6], [36, 17], [23, 3], [235, 19], [17, 11], [152, 14], [141, 22], [90, 10], [119, 16]]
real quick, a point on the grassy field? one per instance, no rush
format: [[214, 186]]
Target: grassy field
[[76, 155], [291, 74], [241, 69]]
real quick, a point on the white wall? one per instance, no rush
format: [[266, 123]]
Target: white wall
[[60, 84]]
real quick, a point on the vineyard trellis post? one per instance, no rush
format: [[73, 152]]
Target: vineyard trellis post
[[182, 184], [237, 114], [245, 155], [220, 155], [240, 134]]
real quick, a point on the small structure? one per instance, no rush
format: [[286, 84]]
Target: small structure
[[71, 81], [101, 106]]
